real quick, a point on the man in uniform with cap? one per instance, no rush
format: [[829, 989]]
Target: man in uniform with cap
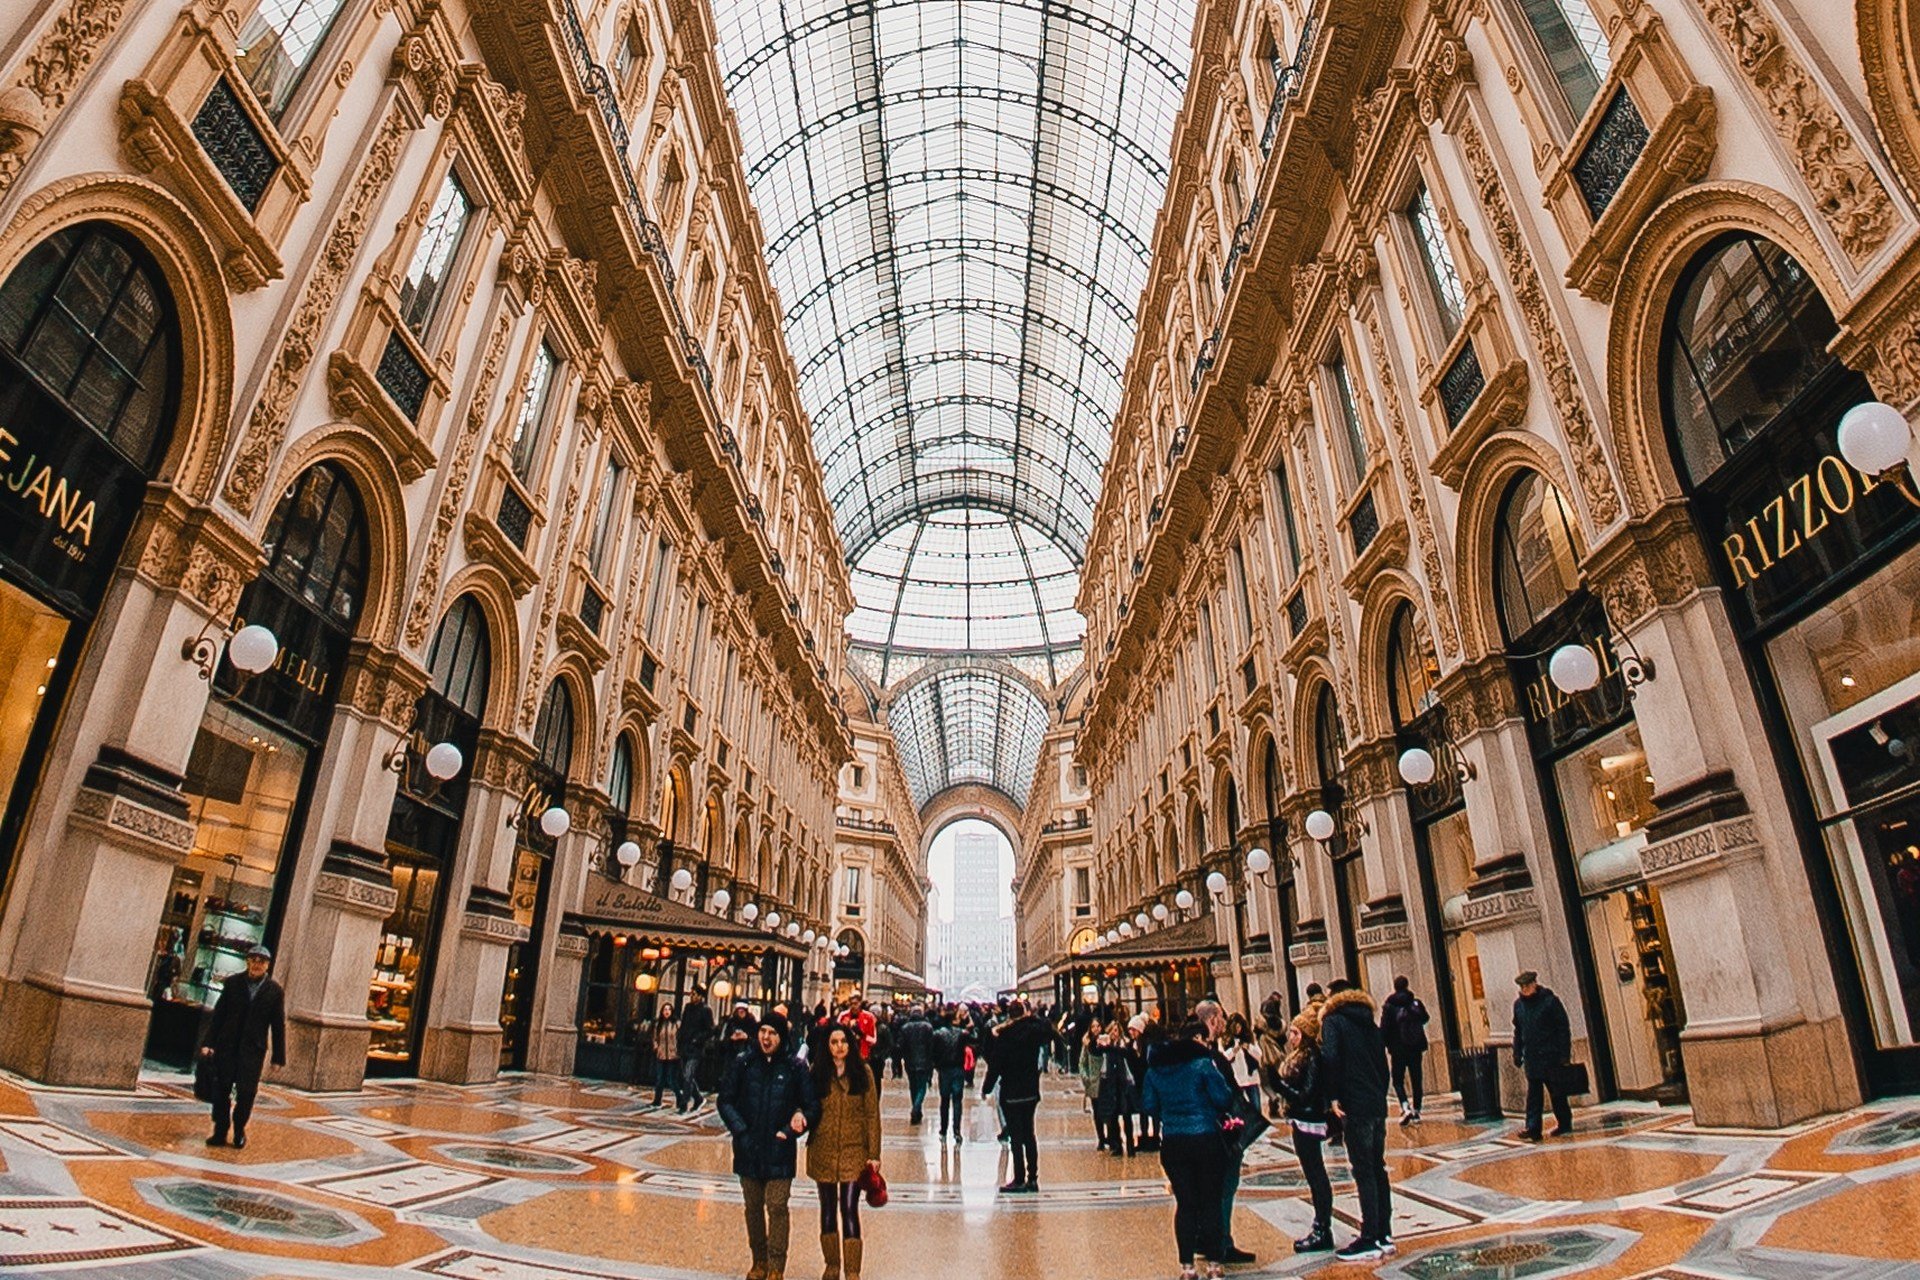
[[250, 1008]]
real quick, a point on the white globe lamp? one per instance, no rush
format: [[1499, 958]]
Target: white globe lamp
[[722, 900], [1573, 668], [1320, 825], [443, 761], [1259, 861], [555, 822], [1875, 437], [252, 649], [682, 880], [1216, 883], [1416, 766], [750, 912], [1184, 900], [627, 854], [1160, 912]]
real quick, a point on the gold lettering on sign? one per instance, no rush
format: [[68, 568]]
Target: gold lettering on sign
[[1794, 517], [58, 502], [1544, 697]]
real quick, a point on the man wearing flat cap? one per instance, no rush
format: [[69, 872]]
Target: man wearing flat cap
[[251, 1008]]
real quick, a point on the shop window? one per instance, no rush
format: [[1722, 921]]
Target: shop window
[[434, 256], [277, 45], [533, 867], [87, 316], [1571, 40], [529, 423], [1411, 671]]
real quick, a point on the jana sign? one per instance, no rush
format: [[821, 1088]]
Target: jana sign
[[67, 497]]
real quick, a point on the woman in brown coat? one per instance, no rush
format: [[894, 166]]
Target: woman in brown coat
[[844, 1144]]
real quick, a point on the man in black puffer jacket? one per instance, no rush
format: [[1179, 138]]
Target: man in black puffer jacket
[[767, 1102], [913, 1040], [1013, 1062], [1542, 1047], [1354, 1059]]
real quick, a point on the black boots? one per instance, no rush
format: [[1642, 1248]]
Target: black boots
[[1318, 1240]]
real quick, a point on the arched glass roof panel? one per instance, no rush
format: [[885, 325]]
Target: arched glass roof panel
[[968, 724]]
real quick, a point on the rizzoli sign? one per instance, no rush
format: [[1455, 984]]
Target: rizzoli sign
[[1804, 509]]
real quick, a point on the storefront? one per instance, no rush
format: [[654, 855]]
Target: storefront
[[849, 965], [533, 853], [1442, 844], [254, 759], [1168, 969], [423, 834], [645, 951], [89, 386], [1819, 566], [1342, 847], [1598, 795]]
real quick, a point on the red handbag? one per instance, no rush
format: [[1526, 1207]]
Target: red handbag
[[873, 1186]]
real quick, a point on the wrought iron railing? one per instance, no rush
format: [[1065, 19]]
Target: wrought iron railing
[[514, 517], [1364, 524], [402, 376], [234, 144], [1461, 384], [1610, 154], [1287, 84]]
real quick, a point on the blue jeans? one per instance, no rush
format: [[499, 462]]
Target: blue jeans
[[953, 1094], [917, 1082]]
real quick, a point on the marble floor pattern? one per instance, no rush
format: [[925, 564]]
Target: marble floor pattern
[[536, 1178]]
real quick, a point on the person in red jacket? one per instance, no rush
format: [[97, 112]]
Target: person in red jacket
[[866, 1032]]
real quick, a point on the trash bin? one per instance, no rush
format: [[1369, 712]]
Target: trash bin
[[1476, 1074]]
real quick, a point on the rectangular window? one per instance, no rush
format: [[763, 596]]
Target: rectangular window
[[1082, 889], [853, 887], [699, 663], [1574, 45], [1246, 595], [599, 550], [1355, 436], [657, 593], [433, 257], [530, 426], [277, 45], [859, 777], [1289, 530], [1436, 256], [627, 56], [1206, 644]]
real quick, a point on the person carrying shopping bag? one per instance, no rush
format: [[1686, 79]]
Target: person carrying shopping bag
[[844, 1146]]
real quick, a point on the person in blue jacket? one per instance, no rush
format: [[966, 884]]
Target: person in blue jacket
[[1186, 1093]]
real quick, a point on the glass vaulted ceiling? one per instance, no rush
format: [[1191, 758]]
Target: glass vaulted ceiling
[[958, 198]]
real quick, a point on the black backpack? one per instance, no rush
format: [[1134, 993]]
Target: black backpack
[[1411, 1026]]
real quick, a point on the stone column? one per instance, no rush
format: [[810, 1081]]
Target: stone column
[[110, 821], [560, 1031]]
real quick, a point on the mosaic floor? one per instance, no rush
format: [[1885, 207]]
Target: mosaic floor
[[543, 1179]]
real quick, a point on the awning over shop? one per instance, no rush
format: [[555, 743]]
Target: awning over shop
[[608, 906], [1188, 940]]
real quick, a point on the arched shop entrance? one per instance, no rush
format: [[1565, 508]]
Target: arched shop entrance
[[1825, 606], [1442, 843], [89, 390], [423, 836], [533, 856], [849, 965], [254, 759], [1597, 791], [1343, 846]]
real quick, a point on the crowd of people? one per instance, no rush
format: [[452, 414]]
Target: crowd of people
[[1198, 1092]]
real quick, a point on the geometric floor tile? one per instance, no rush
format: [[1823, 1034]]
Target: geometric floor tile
[[465, 1264], [511, 1159], [581, 1141], [1532, 1255], [356, 1126], [1743, 1192], [400, 1186], [1414, 1215], [63, 1233], [58, 1140], [1900, 1129], [246, 1211]]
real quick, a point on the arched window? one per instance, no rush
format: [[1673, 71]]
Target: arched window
[[553, 731], [1747, 334], [316, 544], [1536, 555], [620, 776], [1329, 741], [1411, 671], [87, 315], [460, 663]]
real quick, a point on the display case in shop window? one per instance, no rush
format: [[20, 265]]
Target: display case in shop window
[[390, 994]]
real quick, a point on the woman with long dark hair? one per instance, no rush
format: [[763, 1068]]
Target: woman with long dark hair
[[844, 1145], [1299, 1083], [665, 1036]]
